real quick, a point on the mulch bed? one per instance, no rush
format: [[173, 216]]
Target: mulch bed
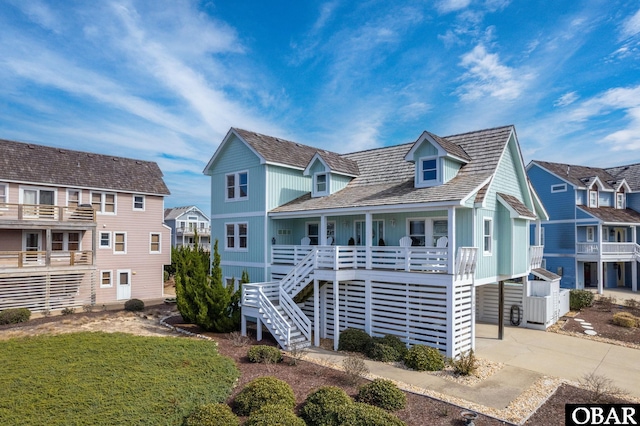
[[600, 316]]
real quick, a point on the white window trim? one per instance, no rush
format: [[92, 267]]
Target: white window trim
[[65, 239], [542, 237], [133, 204], [236, 186], [426, 183], [100, 246], [6, 195], [484, 235], [151, 234], [37, 188], [605, 234], [590, 230], [236, 236], [561, 187], [593, 205], [623, 205], [327, 184], [102, 202], [110, 285], [234, 281], [79, 191], [113, 243]]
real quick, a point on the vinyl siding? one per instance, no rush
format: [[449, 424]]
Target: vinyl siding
[[285, 185], [559, 205], [559, 238], [339, 182], [508, 178], [520, 246], [464, 228], [504, 230], [449, 169], [487, 264], [633, 201]]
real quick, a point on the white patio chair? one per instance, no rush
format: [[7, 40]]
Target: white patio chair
[[305, 241]]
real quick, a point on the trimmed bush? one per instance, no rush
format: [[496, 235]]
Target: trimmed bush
[[424, 358], [274, 415], [382, 393], [354, 340], [465, 364], [14, 316], [264, 354], [395, 343], [625, 319], [361, 414], [579, 299], [320, 406], [212, 415], [381, 352], [263, 391], [134, 305]]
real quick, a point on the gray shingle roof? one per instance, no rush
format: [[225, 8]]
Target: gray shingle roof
[[546, 275], [282, 151], [387, 179], [580, 176], [629, 172], [517, 205], [175, 212], [613, 215], [450, 147], [27, 162]]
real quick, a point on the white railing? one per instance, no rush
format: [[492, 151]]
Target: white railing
[[296, 315], [466, 262], [607, 248], [276, 322], [250, 293], [411, 259], [301, 275], [535, 256], [10, 211]]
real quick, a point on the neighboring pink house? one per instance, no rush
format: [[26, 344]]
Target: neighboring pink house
[[78, 228]]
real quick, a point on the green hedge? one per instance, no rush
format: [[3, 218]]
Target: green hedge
[[14, 316], [382, 393], [264, 354], [361, 414], [321, 405], [134, 305], [263, 391], [212, 415], [424, 358], [579, 299], [354, 340], [274, 415]]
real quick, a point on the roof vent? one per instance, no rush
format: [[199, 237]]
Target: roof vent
[[31, 146]]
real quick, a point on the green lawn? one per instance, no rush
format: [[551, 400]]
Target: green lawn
[[109, 379]]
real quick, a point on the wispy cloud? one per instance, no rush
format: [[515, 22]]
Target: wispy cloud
[[447, 6], [566, 99], [631, 26]]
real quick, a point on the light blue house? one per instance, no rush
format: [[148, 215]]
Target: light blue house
[[591, 237], [410, 240], [190, 227]]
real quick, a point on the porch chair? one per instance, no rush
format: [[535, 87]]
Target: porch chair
[[404, 242], [329, 241], [305, 241], [442, 242]]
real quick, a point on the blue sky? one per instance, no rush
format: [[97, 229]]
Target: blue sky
[[165, 80]]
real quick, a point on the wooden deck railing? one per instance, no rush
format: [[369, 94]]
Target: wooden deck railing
[[410, 259], [30, 259], [9, 211]]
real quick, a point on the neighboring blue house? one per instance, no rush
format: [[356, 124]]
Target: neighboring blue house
[[591, 237], [190, 227], [410, 240]]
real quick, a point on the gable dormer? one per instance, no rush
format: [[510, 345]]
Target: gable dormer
[[437, 160], [621, 189], [594, 187], [320, 173], [329, 173]]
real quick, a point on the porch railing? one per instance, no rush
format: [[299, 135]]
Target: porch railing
[[28, 259], [607, 248], [535, 256], [411, 259], [9, 211]]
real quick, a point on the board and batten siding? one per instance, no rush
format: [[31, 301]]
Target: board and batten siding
[[339, 182], [464, 228], [487, 264], [285, 185], [450, 169], [509, 178], [504, 232], [521, 246], [147, 269]]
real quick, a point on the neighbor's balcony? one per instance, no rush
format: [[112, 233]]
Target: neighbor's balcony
[[31, 259], [189, 231], [608, 248], [39, 212], [409, 259]]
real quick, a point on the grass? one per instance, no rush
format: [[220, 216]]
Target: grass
[[109, 378]]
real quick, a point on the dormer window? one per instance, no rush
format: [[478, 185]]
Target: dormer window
[[620, 201], [320, 184], [593, 198], [428, 173]]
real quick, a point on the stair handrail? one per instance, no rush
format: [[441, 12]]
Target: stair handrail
[[278, 322], [299, 318], [300, 273]]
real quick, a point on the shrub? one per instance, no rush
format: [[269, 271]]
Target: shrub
[[382, 393], [602, 389], [274, 415], [68, 311], [87, 308], [381, 352], [579, 299], [424, 358], [465, 364], [320, 406], [632, 304], [395, 343], [606, 303], [361, 414], [134, 305], [625, 319], [14, 315], [264, 354], [354, 367], [263, 391], [354, 340], [212, 415]]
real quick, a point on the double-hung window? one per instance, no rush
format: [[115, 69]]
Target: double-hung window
[[105, 239], [487, 236], [593, 198], [4, 193], [620, 200], [320, 184], [103, 202], [237, 185], [65, 241], [418, 232], [428, 171], [154, 243], [138, 202], [236, 235], [120, 242], [590, 234], [106, 279], [74, 198]]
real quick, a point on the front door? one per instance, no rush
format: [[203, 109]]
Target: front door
[[620, 273], [587, 274], [124, 285], [621, 235], [32, 244]]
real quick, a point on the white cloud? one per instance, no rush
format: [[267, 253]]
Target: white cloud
[[486, 76], [566, 99], [446, 6], [41, 14], [631, 26]]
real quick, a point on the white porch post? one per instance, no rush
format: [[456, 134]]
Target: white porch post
[[322, 238], [258, 329], [368, 237], [634, 263], [538, 235], [451, 252], [316, 313], [367, 306], [600, 275], [450, 316], [336, 315], [323, 313], [243, 325], [473, 315]]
